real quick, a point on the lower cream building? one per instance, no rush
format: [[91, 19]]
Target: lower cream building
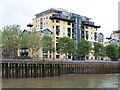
[[63, 23], [114, 38]]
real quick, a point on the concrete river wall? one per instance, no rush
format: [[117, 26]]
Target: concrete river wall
[[37, 68]]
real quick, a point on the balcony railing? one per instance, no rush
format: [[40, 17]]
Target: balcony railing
[[61, 17], [89, 23]]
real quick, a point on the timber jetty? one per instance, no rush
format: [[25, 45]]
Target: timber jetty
[[27, 68]]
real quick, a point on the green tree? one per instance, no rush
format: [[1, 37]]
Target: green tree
[[112, 52], [84, 48], [99, 50], [0, 43], [34, 42], [47, 43], [119, 52], [11, 40], [66, 46], [24, 44], [24, 39]]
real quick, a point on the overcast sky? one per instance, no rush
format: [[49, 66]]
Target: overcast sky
[[102, 12]]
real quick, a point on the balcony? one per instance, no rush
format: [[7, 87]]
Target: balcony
[[89, 23], [61, 17]]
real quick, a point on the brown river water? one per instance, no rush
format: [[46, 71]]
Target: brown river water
[[65, 81]]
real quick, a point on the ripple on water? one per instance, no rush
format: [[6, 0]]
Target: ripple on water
[[66, 81]]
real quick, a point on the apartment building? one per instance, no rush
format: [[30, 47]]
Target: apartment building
[[115, 37], [63, 23], [115, 34], [101, 38]]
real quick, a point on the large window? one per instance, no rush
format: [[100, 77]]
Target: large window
[[57, 49], [57, 30], [41, 23], [69, 32], [95, 36], [87, 35]]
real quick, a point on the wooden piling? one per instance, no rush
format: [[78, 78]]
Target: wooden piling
[[34, 69]]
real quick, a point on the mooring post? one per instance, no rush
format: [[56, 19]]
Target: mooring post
[[51, 70], [26, 70], [59, 69], [3, 70], [6, 70], [16, 70], [43, 70]]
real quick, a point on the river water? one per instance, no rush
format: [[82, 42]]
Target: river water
[[65, 81]]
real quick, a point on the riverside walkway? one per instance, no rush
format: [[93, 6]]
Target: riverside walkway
[[27, 68]]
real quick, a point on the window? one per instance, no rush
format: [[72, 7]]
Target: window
[[44, 51], [86, 57], [46, 17], [69, 23], [69, 57], [83, 27], [57, 56], [53, 26], [41, 23], [57, 49], [56, 45], [69, 32], [53, 21], [57, 27], [57, 39], [95, 58], [87, 35], [91, 57], [50, 51], [86, 27], [50, 56], [45, 56], [46, 23], [36, 20], [58, 30], [41, 19], [95, 36], [82, 32], [57, 21]]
